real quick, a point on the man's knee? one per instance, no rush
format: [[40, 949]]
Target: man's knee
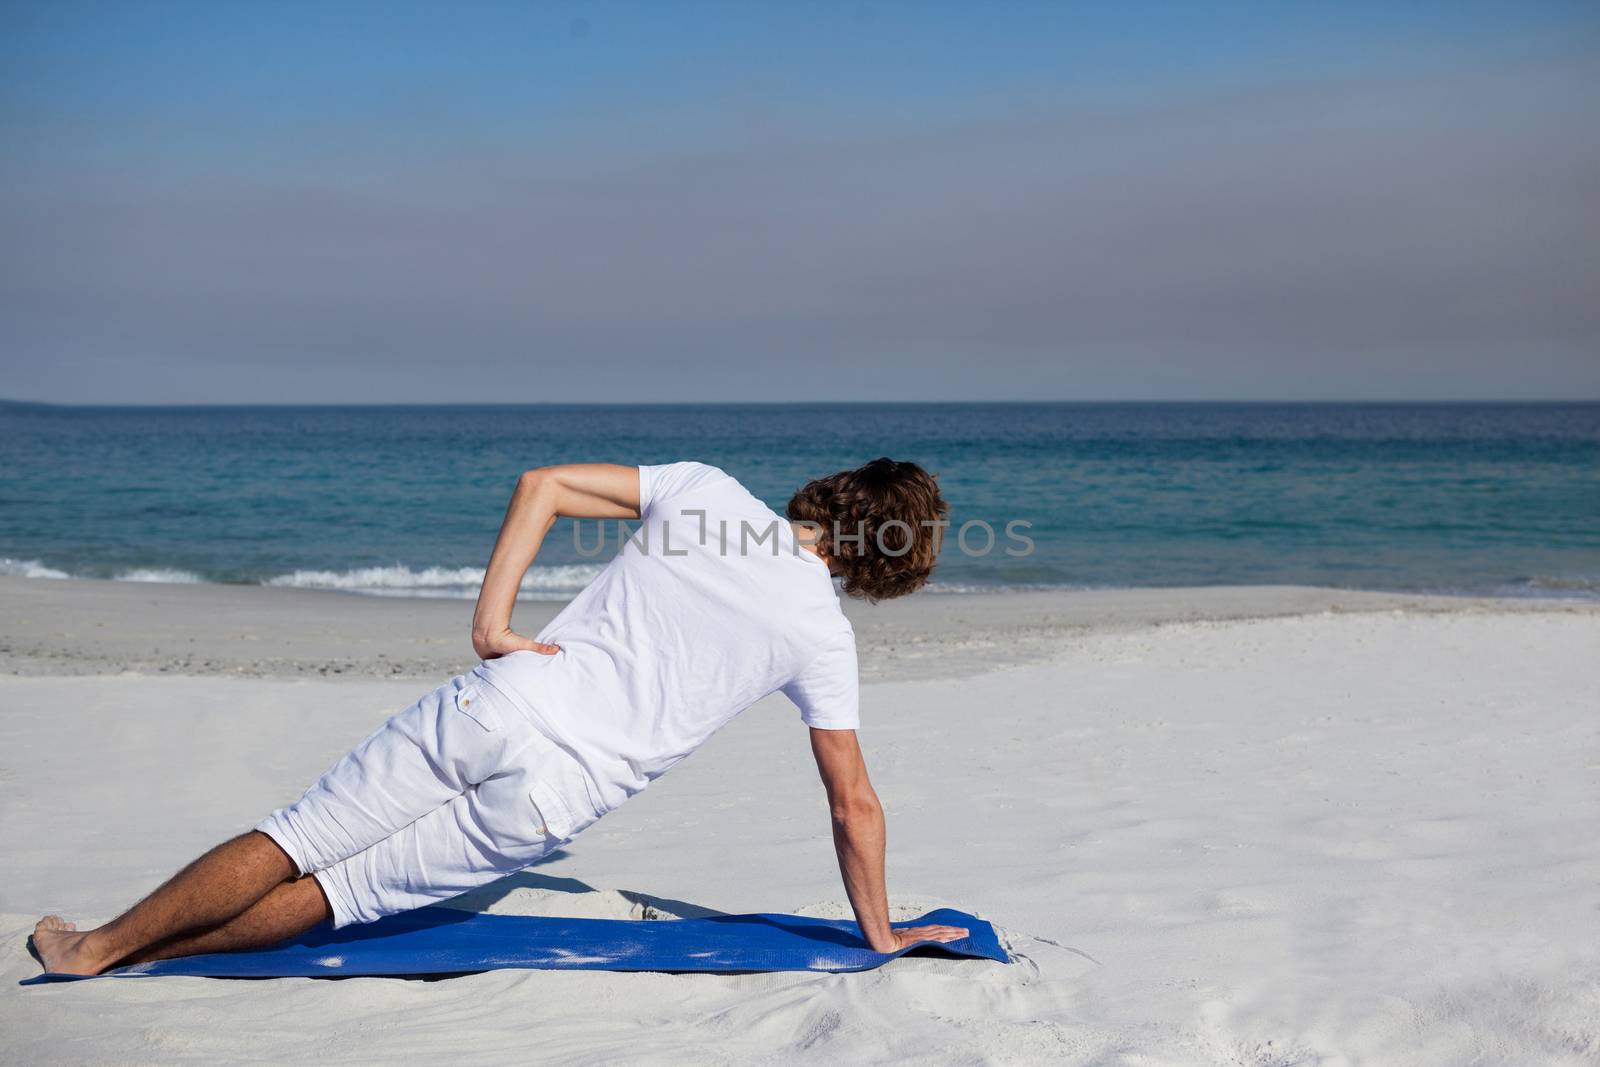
[[266, 851], [312, 898]]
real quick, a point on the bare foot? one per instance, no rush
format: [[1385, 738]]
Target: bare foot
[[64, 949]]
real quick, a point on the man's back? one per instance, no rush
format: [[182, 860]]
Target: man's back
[[711, 606]]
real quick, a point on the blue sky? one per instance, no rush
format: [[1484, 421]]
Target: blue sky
[[565, 201]]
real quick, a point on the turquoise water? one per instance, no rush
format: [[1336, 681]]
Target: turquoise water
[[1498, 498]]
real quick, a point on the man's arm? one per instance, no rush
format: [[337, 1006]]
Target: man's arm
[[574, 491], [858, 837]]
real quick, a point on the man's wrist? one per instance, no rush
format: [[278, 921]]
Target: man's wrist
[[484, 639], [880, 941]]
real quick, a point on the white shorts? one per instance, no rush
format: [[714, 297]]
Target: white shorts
[[454, 792]]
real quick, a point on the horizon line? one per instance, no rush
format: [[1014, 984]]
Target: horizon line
[[7, 402]]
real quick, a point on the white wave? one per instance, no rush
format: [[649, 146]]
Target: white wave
[[1583, 583], [1549, 587], [158, 574], [28, 568], [951, 588], [555, 582]]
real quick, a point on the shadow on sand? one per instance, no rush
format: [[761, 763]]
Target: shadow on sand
[[644, 905]]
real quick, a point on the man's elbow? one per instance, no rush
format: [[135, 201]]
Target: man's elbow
[[539, 484]]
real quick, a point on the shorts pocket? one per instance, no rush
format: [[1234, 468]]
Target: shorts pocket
[[559, 794], [475, 704], [550, 816]]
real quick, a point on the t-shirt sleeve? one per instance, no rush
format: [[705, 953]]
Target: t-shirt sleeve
[[827, 692], [662, 481]]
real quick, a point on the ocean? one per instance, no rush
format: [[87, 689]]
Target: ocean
[[1463, 498]]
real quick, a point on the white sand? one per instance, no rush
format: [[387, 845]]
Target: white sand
[[1354, 836]]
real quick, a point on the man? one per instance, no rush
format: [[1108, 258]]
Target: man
[[714, 603]]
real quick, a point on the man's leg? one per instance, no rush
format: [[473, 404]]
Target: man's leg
[[289, 909], [484, 834], [491, 830], [213, 889], [417, 761]]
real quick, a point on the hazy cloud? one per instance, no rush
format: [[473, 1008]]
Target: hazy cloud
[[1411, 237]]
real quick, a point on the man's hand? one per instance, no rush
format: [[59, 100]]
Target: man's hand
[[498, 643], [905, 936]]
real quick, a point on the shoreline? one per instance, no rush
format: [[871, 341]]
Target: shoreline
[[86, 626]]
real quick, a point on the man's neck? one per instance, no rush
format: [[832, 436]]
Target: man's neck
[[805, 535]]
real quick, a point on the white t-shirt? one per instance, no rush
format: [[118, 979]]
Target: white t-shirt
[[709, 607]]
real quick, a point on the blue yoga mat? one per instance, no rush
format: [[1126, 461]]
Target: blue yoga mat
[[437, 940]]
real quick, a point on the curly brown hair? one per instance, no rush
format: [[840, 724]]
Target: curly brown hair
[[880, 525]]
